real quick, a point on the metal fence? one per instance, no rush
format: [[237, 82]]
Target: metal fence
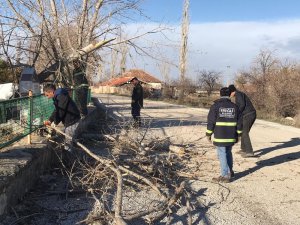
[[21, 116]]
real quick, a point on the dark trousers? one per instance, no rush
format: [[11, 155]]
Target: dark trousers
[[136, 114], [248, 121], [81, 95]]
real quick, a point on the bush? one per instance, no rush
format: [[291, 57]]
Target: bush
[[297, 119]]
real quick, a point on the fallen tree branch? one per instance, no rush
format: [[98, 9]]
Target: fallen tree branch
[[118, 217], [130, 163], [178, 192], [141, 178], [163, 206]]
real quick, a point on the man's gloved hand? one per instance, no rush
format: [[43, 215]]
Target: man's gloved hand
[[208, 138], [47, 123]]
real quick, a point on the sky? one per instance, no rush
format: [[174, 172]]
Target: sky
[[222, 10], [224, 35]]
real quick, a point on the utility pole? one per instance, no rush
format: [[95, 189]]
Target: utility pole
[[183, 50], [227, 76]]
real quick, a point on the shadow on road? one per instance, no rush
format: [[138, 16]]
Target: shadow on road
[[172, 122], [272, 161], [199, 213], [292, 143], [116, 104], [160, 123], [165, 107]]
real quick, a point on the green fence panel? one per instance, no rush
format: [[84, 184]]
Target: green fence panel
[[21, 116], [89, 100], [89, 95]]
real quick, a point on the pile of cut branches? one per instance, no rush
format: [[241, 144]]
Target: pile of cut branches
[[137, 179]]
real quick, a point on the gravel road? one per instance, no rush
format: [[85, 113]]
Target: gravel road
[[266, 189]]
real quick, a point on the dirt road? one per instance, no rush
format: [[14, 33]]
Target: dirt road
[[266, 189]]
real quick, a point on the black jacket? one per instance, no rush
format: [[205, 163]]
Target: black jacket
[[244, 103], [137, 96], [65, 110], [79, 78], [224, 121]]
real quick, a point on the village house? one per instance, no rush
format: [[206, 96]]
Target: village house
[[121, 84]]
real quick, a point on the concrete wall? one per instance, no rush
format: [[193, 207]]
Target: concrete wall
[[124, 90], [104, 90], [155, 85], [20, 167]]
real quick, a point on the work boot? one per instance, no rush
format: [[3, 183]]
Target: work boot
[[221, 179]]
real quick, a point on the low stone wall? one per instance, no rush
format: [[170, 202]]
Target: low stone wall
[[20, 167], [124, 90]]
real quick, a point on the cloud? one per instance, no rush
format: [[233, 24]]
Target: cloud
[[222, 46]]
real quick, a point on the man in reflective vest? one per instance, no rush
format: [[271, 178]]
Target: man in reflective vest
[[225, 122]]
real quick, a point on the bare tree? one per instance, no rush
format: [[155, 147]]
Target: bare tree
[[209, 80], [164, 69], [57, 31], [124, 50], [276, 81], [113, 62], [119, 54], [9, 73], [183, 52], [264, 66], [265, 62]]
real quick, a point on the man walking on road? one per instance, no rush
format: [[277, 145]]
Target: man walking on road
[[136, 101], [225, 122], [249, 116]]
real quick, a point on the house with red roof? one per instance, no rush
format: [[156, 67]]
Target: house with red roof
[[121, 84]]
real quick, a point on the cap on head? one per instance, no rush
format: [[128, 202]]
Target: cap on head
[[133, 79], [224, 92], [231, 88]]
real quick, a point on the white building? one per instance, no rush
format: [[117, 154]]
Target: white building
[[29, 81]]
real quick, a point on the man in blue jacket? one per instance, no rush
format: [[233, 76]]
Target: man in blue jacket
[[225, 122], [65, 111]]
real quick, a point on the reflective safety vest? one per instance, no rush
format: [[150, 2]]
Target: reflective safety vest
[[224, 121]]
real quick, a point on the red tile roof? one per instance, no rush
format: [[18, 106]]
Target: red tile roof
[[141, 75], [127, 76], [117, 81]]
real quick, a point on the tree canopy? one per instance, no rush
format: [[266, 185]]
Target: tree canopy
[[46, 32]]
